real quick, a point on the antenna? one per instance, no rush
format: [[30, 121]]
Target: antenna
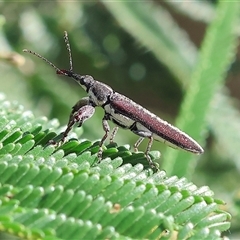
[[69, 50], [44, 59], [63, 72]]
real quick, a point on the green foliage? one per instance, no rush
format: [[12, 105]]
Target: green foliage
[[208, 76], [63, 193], [163, 43]]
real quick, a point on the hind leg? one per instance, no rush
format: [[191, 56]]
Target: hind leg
[[145, 134]]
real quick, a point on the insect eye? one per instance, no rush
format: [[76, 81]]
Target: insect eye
[[82, 80]]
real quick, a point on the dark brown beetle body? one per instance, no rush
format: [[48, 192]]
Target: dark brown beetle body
[[123, 112]]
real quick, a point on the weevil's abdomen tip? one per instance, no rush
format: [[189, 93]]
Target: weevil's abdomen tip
[[201, 151], [198, 150]]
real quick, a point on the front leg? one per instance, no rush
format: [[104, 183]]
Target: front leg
[[106, 128], [81, 111]]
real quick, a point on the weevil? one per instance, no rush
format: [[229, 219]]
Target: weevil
[[122, 111]]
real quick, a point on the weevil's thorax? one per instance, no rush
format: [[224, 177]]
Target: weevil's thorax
[[99, 93]]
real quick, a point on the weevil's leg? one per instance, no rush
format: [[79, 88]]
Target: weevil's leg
[[144, 134], [62, 135], [106, 128], [70, 124], [151, 163], [81, 111], [138, 142], [113, 134], [68, 129]]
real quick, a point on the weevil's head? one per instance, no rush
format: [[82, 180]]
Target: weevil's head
[[86, 81]]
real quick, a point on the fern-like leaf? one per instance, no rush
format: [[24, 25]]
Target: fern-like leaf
[[63, 193]]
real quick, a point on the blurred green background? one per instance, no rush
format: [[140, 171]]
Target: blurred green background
[[108, 43]]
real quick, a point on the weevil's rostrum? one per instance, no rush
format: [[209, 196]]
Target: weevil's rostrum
[[123, 112]]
